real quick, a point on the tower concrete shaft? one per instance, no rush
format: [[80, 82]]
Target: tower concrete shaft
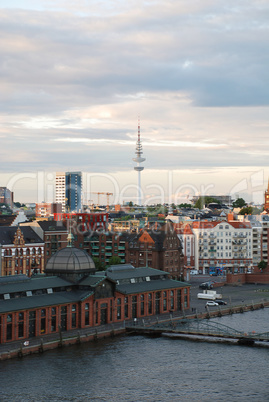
[[138, 167]]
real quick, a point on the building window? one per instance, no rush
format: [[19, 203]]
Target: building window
[[126, 307], [43, 321], [179, 300], [21, 325], [164, 301], [119, 308], [142, 304], [134, 306], [53, 319], [9, 327], [172, 299], [150, 303], [87, 314], [74, 316]]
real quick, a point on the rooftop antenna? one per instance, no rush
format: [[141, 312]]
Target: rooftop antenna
[[138, 160], [70, 237]]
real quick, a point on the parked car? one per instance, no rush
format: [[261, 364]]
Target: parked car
[[211, 303], [221, 302], [193, 272], [206, 285]]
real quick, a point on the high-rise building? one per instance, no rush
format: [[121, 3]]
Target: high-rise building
[[60, 189], [73, 191]]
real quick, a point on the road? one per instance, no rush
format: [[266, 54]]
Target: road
[[233, 295]]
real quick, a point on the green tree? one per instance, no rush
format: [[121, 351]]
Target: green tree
[[262, 265], [185, 205], [246, 211], [114, 260], [239, 203], [98, 264]]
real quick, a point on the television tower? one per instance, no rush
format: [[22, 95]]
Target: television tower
[[138, 160]]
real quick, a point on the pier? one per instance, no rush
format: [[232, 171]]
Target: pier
[[200, 330]]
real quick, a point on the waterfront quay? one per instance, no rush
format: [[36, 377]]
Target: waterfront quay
[[239, 299]]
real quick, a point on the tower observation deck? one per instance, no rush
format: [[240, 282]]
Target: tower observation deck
[[138, 168]]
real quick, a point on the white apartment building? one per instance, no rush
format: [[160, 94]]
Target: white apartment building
[[186, 237], [60, 189], [222, 246]]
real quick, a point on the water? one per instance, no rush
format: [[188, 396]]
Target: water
[[132, 368]]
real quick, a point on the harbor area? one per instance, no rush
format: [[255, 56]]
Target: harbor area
[[240, 299]]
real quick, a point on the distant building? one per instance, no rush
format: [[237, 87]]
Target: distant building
[[187, 238], [131, 225], [60, 189], [73, 191], [266, 199], [6, 196], [47, 209], [223, 199], [85, 221]]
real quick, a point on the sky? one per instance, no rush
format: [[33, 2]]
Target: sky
[[75, 76]]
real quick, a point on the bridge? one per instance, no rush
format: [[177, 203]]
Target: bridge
[[197, 328]]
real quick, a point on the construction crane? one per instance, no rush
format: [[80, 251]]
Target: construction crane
[[107, 194]]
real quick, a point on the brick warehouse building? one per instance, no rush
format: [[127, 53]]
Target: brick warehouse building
[[72, 295], [157, 246]]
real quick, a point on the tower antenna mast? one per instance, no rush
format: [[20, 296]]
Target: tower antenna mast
[[138, 159]]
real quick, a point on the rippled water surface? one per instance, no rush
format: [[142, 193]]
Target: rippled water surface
[[132, 368]]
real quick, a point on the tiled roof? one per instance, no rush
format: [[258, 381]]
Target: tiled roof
[[135, 273], [7, 234], [52, 226], [39, 301], [92, 280], [31, 284], [150, 286]]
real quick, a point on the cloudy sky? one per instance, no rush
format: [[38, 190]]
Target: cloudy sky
[[75, 76]]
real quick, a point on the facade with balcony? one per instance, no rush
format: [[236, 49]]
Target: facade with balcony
[[222, 247], [103, 246]]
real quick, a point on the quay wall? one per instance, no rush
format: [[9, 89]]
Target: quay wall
[[241, 279]]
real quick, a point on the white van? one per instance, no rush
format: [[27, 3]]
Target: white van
[[194, 272]]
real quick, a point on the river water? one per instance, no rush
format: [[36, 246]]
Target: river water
[[135, 368]]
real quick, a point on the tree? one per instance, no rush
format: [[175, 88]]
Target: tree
[[185, 205], [239, 203], [262, 265], [246, 211], [98, 264], [114, 260]]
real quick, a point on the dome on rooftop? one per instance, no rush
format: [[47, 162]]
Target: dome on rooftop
[[70, 260]]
